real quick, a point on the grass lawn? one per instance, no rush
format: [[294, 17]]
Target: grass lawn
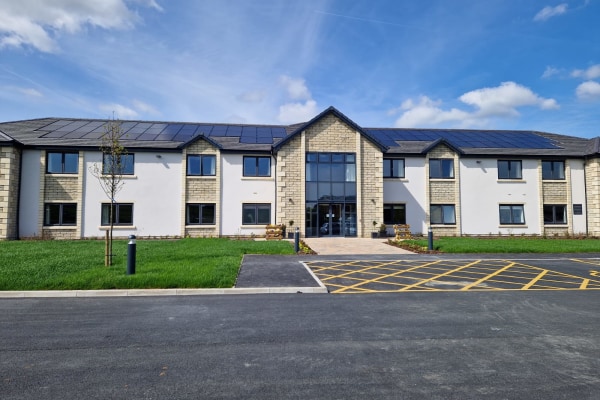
[[79, 264], [510, 245]]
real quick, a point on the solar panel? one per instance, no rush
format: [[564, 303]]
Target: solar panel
[[233, 130], [264, 140], [248, 139]]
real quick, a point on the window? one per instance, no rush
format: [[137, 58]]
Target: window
[[200, 214], [443, 214], [393, 168], [62, 163], [122, 214], [512, 214], [257, 166], [122, 166], [441, 168], [509, 169], [60, 214], [394, 214], [553, 170], [256, 214], [204, 165], [555, 214]]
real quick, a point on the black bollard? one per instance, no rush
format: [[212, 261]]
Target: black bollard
[[429, 239], [297, 240], [131, 255]]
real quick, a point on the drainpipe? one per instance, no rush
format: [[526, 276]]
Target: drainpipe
[[17, 219]]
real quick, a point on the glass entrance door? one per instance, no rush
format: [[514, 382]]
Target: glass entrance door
[[331, 220]]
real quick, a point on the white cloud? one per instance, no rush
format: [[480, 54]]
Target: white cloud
[[119, 111], [550, 72], [589, 90], [549, 12], [144, 108], [296, 88], [30, 92], [255, 96], [592, 72], [291, 113], [501, 101], [38, 23]]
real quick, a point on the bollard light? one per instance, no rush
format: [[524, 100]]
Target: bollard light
[[297, 240], [429, 239], [131, 255]]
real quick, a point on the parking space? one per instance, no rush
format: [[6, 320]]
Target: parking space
[[376, 276]]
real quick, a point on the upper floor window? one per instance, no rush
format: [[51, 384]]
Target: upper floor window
[[62, 163], [553, 170], [204, 165], [123, 165], [122, 214], [393, 168], [512, 214], [510, 169], [441, 168], [60, 214], [443, 214], [257, 166]]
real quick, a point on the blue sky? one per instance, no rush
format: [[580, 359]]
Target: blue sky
[[494, 64]]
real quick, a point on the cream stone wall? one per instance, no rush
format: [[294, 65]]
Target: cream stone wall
[[556, 192], [201, 189], [444, 191], [60, 188], [329, 135], [592, 182], [9, 184]]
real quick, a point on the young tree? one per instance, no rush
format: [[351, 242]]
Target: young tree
[[110, 175]]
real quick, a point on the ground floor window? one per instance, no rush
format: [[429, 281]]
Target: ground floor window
[[512, 214], [60, 214], [256, 214], [122, 213], [394, 214], [442, 214], [200, 214], [555, 214]]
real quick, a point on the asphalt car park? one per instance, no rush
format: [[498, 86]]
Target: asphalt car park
[[432, 274]]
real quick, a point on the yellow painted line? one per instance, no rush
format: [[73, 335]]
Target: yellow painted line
[[585, 262], [534, 280], [386, 276], [584, 284], [488, 276], [440, 275]]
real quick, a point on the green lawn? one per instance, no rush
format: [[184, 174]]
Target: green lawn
[[79, 264], [510, 245]]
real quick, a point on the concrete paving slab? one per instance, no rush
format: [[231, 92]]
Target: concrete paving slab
[[352, 246]]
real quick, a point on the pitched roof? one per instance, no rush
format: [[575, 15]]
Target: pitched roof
[[173, 136]]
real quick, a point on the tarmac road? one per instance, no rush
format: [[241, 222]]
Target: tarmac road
[[442, 345]]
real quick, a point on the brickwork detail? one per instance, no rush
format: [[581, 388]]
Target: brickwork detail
[[556, 192], [444, 191], [290, 183], [592, 182], [205, 189], [370, 187], [9, 184]]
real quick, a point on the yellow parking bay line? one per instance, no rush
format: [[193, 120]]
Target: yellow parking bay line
[[485, 278], [438, 276]]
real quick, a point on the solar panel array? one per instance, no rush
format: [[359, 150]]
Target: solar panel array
[[466, 139], [155, 131]]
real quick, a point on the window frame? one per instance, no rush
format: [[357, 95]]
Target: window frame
[[554, 214], [510, 169], [116, 214], [61, 214], [63, 155], [393, 207], [442, 206], [256, 166], [553, 170], [393, 173], [512, 215], [123, 164], [201, 162], [440, 168], [255, 208], [201, 207]]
